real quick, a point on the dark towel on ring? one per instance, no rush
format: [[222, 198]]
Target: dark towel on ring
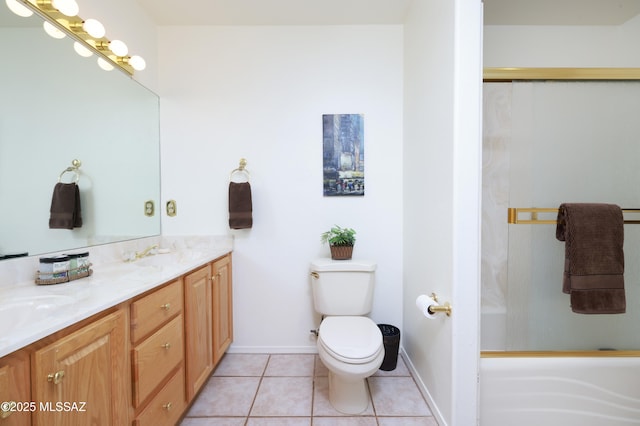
[[240, 206], [594, 257], [65, 207]]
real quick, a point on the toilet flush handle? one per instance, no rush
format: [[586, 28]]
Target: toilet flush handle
[[315, 275]]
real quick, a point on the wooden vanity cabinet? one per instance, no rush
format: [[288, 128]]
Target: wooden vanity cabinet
[[140, 363], [15, 378], [80, 378], [208, 320], [222, 307], [157, 356]]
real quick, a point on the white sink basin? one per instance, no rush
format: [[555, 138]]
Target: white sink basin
[[159, 260], [19, 311]]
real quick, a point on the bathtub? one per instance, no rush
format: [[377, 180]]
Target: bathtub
[[560, 389]]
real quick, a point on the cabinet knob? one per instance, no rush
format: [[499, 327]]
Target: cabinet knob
[[166, 306], [5, 409], [56, 377], [166, 345], [167, 406]]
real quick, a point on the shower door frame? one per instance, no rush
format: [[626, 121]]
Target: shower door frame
[[512, 74]]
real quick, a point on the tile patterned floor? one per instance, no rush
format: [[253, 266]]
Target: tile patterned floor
[[293, 390]]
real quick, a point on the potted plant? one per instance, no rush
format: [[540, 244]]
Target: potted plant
[[341, 241]]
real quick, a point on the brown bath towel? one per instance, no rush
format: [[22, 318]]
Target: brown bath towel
[[240, 207], [65, 207], [594, 257]]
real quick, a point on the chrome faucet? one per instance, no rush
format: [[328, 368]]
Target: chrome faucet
[[147, 252]]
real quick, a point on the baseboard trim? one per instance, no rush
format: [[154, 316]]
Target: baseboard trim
[[437, 415]]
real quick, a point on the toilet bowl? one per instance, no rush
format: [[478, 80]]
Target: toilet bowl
[[349, 342], [351, 348]]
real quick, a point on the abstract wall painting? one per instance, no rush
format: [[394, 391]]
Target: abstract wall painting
[[343, 154]]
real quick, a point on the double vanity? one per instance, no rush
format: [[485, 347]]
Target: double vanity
[[131, 344]]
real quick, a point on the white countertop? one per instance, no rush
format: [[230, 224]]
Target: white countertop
[[62, 305]]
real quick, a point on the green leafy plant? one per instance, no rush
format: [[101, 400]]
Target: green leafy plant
[[338, 236]]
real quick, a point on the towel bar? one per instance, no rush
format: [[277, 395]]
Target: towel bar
[[74, 167], [513, 216], [241, 169]]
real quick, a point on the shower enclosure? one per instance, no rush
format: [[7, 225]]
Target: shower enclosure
[[545, 143]]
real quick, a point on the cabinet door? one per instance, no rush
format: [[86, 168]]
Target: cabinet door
[[222, 307], [82, 378], [197, 325], [15, 390]]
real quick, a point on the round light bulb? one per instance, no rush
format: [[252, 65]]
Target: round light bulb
[[137, 63], [66, 7], [118, 47], [94, 28], [18, 9], [52, 30], [82, 50], [104, 64]]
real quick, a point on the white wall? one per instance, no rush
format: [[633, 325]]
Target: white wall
[[562, 46], [259, 93], [428, 126], [428, 154], [441, 210]]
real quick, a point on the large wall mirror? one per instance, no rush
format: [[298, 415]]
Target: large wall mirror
[[56, 106]]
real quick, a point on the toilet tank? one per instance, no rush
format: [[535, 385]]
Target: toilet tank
[[342, 287]]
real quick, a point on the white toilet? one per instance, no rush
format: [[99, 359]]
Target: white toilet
[[349, 343]]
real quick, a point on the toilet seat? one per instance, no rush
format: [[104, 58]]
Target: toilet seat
[[350, 339]]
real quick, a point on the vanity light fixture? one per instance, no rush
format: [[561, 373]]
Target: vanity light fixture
[[91, 26], [102, 63], [136, 62], [18, 8], [52, 30], [89, 34], [81, 49], [118, 47], [66, 7]]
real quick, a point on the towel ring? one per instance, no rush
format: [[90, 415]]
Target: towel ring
[[75, 167], [241, 169]]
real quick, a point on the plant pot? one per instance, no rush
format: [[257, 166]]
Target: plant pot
[[341, 252]]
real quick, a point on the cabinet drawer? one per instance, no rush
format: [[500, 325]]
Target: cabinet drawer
[[150, 312], [167, 406], [155, 357]]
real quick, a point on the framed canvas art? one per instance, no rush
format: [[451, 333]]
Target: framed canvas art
[[343, 154]]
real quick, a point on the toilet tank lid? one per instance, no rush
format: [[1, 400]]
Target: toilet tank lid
[[352, 265]]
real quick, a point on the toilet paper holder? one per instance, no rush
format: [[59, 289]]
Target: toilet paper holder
[[434, 309]]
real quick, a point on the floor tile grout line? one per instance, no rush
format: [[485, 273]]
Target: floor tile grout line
[[315, 370], [313, 387], [255, 395], [373, 405]]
